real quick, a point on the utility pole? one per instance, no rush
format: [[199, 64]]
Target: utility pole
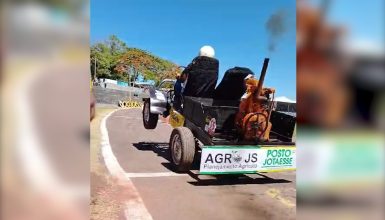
[[95, 67], [129, 80]]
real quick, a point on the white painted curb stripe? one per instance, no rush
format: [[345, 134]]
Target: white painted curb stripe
[[134, 207]]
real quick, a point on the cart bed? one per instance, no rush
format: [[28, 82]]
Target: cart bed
[[200, 110]]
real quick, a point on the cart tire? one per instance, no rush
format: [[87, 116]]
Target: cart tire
[[182, 149], [150, 120]]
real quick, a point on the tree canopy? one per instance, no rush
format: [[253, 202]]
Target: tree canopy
[[115, 60]]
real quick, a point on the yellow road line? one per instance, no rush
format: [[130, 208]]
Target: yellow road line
[[276, 194]]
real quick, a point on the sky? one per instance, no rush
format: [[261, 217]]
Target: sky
[[176, 29], [362, 20]]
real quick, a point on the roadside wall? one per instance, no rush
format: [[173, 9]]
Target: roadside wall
[[112, 96]]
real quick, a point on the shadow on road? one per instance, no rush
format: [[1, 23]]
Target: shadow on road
[[162, 150], [239, 179]]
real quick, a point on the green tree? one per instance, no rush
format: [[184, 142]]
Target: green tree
[[115, 60], [150, 66], [106, 55]]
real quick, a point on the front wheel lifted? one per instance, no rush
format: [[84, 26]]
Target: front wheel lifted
[[149, 120], [182, 149]]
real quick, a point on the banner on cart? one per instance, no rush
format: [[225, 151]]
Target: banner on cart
[[252, 159]]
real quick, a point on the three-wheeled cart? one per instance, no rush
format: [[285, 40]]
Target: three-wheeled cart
[[206, 128]]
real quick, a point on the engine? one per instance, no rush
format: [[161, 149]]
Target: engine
[[253, 117]]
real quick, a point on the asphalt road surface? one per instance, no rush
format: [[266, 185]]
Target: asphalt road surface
[[144, 157]]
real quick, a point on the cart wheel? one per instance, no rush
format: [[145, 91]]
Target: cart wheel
[[149, 120], [182, 148]]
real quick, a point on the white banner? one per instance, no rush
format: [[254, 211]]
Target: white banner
[[247, 159]]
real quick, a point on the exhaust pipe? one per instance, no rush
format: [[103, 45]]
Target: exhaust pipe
[[262, 76]]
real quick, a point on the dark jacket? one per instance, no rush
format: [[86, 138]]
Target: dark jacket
[[178, 86], [202, 77]]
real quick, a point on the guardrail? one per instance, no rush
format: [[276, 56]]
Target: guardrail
[[130, 104]]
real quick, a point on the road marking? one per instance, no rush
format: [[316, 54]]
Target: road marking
[[276, 194], [134, 207], [160, 174]]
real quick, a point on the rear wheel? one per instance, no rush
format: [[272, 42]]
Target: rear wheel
[[149, 120], [182, 148]]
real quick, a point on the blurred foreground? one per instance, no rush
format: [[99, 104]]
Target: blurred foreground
[[341, 110], [45, 110]]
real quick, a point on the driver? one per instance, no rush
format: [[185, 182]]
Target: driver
[[201, 75], [199, 78]]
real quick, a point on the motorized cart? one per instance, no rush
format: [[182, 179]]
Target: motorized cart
[[207, 129]]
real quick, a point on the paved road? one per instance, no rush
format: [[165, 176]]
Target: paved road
[[144, 157]]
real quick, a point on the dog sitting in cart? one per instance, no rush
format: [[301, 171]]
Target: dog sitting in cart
[[237, 112]]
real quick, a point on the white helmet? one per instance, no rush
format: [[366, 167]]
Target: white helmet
[[207, 51]]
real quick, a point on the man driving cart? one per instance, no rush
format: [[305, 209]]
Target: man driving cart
[[230, 121], [199, 78]]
